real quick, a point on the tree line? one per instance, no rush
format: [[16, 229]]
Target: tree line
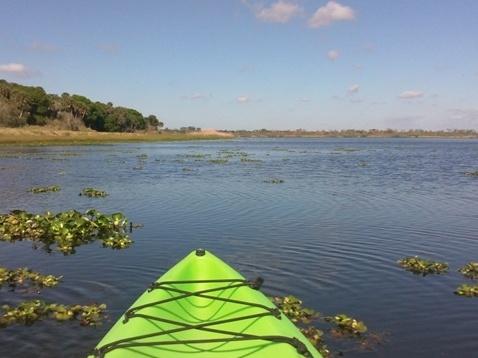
[[28, 105]]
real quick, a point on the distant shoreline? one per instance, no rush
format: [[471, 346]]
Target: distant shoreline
[[37, 135], [33, 135]]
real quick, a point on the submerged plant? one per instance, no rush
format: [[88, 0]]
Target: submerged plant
[[419, 266]]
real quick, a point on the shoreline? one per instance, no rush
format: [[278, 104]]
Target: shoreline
[[34, 135], [37, 135]]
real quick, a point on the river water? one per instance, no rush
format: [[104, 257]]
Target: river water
[[330, 233]]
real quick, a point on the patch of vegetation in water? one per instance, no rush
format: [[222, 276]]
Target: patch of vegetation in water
[[93, 193], [316, 328], [274, 181], [26, 277], [218, 161], [475, 173], [65, 230], [251, 160], [44, 189], [423, 267], [470, 270]]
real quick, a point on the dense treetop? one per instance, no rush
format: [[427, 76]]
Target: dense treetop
[[27, 105]]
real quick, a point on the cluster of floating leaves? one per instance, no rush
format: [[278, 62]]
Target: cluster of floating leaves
[[25, 276], [423, 267], [274, 181], [469, 271], [93, 193], [345, 327], [28, 312], [475, 173], [65, 230], [44, 189]]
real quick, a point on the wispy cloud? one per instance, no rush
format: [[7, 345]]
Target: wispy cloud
[[38, 46], [331, 12], [305, 99], [353, 89], [467, 114], [106, 47], [247, 69], [280, 11], [410, 95], [333, 55], [16, 69], [198, 96], [243, 99]]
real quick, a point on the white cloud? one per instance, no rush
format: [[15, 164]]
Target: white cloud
[[333, 55], [243, 99], [281, 11], [330, 13], [16, 69], [410, 94], [305, 99], [353, 89]]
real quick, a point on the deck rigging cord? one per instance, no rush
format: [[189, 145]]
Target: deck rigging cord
[[231, 336]]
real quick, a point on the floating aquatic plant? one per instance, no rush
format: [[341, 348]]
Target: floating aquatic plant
[[44, 189], [475, 173], [467, 290], [470, 270], [65, 230], [28, 312], [419, 266], [93, 193], [291, 306], [274, 181], [347, 324], [25, 276], [250, 160], [219, 161]]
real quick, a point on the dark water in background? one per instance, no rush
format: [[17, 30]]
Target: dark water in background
[[330, 233]]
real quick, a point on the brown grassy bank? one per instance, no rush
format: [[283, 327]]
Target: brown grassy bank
[[35, 135]]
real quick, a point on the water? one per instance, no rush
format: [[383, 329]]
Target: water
[[330, 233]]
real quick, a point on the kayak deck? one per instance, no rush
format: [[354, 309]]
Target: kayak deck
[[203, 308]]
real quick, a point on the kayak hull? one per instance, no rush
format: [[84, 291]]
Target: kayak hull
[[201, 308]]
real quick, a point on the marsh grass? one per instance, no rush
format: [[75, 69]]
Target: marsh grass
[[48, 136]]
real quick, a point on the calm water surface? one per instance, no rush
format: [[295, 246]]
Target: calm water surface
[[330, 233]]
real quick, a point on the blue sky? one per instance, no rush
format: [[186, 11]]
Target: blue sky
[[247, 64]]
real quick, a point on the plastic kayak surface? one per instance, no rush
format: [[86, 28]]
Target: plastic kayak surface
[[203, 308]]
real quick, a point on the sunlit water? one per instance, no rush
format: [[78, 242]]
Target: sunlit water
[[330, 234]]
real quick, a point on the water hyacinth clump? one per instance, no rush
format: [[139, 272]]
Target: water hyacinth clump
[[44, 189], [470, 270], [93, 193], [419, 266], [274, 181], [65, 230]]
